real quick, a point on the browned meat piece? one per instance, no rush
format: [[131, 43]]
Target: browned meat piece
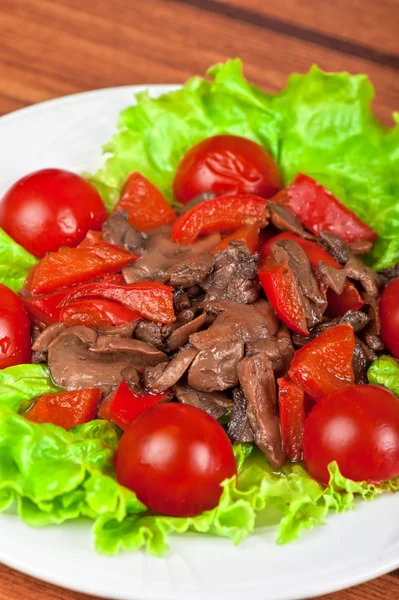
[[150, 332], [215, 369], [356, 319], [266, 309], [118, 231], [278, 349], [125, 330], [234, 276], [354, 269], [360, 363], [181, 300], [338, 249], [360, 247], [372, 332], [389, 274], [239, 429], [132, 378], [195, 201], [164, 375], [143, 354], [180, 336], [284, 220], [216, 334], [191, 271], [258, 384], [216, 404], [44, 339]]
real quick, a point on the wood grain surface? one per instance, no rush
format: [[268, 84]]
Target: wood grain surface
[[52, 48]]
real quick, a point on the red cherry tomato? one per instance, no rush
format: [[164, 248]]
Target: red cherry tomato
[[226, 164], [357, 426], [389, 310], [175, 457], [15, 342], [49, 209]]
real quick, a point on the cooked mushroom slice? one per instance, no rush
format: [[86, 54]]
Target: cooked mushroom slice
[[118, 231], [164, 375], [239, 429], [180, 336], [215, 404], [284, 220], [215, 369]]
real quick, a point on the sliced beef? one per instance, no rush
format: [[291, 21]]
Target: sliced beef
[[284, 220], [181, 300], [165, 375], [216, 334], [125, 330], [389, 274], [278, 349], [234, 276], [215, 404], [355, 269], [338, 249], [258, 384], [143, 354], [180, 336], [215, 369], [132, 378], [195, 201], [239, 429], [118, 231], [191, 271], [360, 363], [372, 332], [150, 332], [358, 320], [266, 309]]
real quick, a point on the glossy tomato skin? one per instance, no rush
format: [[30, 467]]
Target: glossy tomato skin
[[49, 209], [226, 164], [357, 426], [175, 457], [15, 341], [389, 311]]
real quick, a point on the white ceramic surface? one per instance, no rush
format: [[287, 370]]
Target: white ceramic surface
[[351, 548]]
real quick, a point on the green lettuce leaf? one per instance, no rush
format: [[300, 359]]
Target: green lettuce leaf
[[15, 262], [21, 384], [385, 371], [321, 124]]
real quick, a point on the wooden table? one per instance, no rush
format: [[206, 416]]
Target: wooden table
[[51, 48]]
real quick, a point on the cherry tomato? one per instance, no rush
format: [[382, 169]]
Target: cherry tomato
[[15, 342], [174, 457], [49, 209], [357, 426], [226, 164], [389, 310]]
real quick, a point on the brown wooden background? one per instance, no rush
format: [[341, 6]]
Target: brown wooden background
[[50, 48]]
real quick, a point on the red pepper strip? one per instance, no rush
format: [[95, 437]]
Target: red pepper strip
[[76, 265], [152, 300], [66, 409], [281, 289], [249, 234], [45, 309], [144, 203], [338, 305], [319, 210], [325, 364], [96, 313], [223, 214], [92, 238], [123, 406], [292, 416]]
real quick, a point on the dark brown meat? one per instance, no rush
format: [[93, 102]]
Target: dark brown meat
[[372, 332], [44, 339], [258, 384], [150, 332], [181, 300], [165, 375], [389, 274], [338, 249], [266, 309], [278, 349], [215, 404], [132, 378], [125, 330], [355, 269], [195, 201], [239, 429], [117, 230], [284, 220], [234, 276], [180, 336], [215, 369], [356, 319], [143, 354], [360, 247], [360, 363], [191, 271]]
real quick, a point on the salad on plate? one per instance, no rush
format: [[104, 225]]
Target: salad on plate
[[204, 335]]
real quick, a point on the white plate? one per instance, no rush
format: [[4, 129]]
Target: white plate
[[350, 549]]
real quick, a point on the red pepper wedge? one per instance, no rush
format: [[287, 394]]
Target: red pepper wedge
[[44, 309], [292, 417], [91, 239], [76, 265], [338, 305], [123, 405], [280, 286], [96, 312], [249, 234], [152, 300], [319, 210], [325, 364], [66, 409], [223, 214], [146, 206]]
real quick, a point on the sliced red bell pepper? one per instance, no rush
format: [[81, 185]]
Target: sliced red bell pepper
[[249, 234], [123, 405], [325, 364], [223, 214], [319, 210], [92, 238], [96, 313], [338, 305], [66, 409], [292, 416], [45, 309], [144, 203], [281, 289], [152, 300], [76, 265]]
